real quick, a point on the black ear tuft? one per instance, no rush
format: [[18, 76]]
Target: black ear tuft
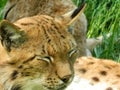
[[9, 9], [70, 17], [78, 9], [10, 35]]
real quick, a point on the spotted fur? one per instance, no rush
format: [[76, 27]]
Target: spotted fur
[[38, 52], [16, 9], [96, 74]]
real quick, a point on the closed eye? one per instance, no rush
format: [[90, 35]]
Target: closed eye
[[73, 55], [72, 52], [48, 59]]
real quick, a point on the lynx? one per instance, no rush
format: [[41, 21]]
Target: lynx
[[16, 9], [38, 52], [95, 74]]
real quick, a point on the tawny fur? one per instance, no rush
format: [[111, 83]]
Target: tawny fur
[[96, 74], [43, 61], [25, 8], [38, 52]]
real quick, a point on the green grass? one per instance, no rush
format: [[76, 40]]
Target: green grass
[[103, 17], [2, 3]]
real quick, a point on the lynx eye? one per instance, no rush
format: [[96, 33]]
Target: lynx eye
[[72, 52], [48, 59]]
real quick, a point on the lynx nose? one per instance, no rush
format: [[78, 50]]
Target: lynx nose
[[66, 78]]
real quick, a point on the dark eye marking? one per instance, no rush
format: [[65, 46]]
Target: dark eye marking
[[30, 59]]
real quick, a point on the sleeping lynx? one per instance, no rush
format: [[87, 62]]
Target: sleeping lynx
[[38, 52]]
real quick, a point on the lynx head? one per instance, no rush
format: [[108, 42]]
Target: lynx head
[[40, 50]]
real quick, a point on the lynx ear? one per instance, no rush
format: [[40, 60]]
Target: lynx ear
[[10, 35], [70, 17]]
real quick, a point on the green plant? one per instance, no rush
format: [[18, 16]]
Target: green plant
[[103, 18], [110, 48], [2, 3]]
